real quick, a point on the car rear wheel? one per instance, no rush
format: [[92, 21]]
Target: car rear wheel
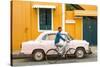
[[38, 55], [80, 53]]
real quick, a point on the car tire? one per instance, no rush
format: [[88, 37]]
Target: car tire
[[80, 53], [38, 55]]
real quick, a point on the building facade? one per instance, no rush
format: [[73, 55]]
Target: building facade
[[29, 19]]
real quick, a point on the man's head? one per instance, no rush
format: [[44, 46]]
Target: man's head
[[59, 29]]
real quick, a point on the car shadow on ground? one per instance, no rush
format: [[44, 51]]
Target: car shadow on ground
[[69, 58]]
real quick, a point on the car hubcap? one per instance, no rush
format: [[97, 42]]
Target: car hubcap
[[80, 53], [38, 56]]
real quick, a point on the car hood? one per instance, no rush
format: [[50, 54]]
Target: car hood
[[79, 42]]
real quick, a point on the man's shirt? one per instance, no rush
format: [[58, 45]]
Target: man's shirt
[[58, 37]]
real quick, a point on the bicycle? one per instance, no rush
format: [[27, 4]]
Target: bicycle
[[53, 55]]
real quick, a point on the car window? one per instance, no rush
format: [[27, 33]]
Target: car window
[[44, 37], [52, 37], [66, 36], [49, 37], [70, 37], [63, 35]]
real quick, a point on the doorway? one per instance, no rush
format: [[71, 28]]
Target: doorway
[[90, 30]]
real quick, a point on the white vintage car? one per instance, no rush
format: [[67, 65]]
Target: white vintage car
[[38, 48]]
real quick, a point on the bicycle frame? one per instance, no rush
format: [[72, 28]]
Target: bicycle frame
[[62, 50], [57, 53]]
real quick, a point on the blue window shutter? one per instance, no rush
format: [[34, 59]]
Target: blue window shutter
[[45, 18]]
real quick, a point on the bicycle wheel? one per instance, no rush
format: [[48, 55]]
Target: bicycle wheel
[[52, 56], [70, 52]]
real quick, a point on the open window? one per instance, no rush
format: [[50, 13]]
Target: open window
[[45, 19]]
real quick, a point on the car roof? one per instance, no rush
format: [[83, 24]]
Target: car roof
[[50, 32]]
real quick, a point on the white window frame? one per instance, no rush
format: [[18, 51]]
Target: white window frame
[[39, 22], [70, 21], [44, 6]]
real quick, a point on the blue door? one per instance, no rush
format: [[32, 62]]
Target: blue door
[[90, 30]]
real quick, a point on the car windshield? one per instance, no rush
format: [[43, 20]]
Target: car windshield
[[70, 37]]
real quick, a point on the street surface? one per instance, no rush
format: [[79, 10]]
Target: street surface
[[27, 61]]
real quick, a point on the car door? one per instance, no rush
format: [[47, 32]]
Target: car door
[[48, 40]]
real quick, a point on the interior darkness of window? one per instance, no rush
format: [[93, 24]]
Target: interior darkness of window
[[45, 18]]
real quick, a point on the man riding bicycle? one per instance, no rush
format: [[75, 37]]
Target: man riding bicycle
[[58, 37]]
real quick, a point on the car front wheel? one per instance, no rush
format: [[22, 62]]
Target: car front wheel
[[38, 55], [80, 53]]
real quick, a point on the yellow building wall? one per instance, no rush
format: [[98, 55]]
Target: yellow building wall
[[74, 29], [89, 7], [57, 17], [69, 15], [70, 28], [20, 23], [78, 28], [25, 21]]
